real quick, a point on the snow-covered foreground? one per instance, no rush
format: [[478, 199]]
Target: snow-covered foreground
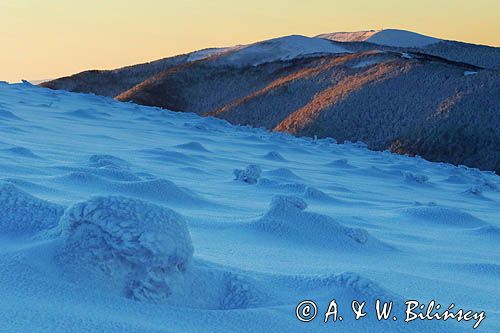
[[117, 217]]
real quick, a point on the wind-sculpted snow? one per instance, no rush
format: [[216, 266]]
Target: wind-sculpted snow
[[274, 156], [142, 249], [195, 146], [107, 161], [419, 95], [442, 216], [20, 152], [131, 218], [341, 163], [287, 218], [23, 214], [159, 190], [282, 173], [316, 194]]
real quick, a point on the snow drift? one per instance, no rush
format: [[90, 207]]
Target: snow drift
[[114, 264], [23, 214], [287, 218]]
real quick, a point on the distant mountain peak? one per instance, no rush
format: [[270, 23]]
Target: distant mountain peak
[[281, 48], [387, 37]]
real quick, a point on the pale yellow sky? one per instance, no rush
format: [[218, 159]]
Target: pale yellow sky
[[43, 39]]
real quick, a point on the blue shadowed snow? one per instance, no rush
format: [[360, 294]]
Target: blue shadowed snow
[[122, 218]]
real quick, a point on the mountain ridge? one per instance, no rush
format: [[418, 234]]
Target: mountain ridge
[[307, 86]]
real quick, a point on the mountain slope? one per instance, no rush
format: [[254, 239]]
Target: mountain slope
[[381, 98], [283, 48], [314, 86], [112, 82], [123, 218]]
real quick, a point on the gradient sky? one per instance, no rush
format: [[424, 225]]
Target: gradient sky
[[43, 39]]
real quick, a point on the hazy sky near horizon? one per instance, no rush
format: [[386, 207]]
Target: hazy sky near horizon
[[43, 39]]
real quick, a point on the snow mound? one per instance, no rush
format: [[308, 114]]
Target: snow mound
[[7, 115], [443, 216], [282, 187], [24, 214], [107, 161], [283, 48], [87, 114], [139, 248], [387, 37], [195, 146], [287, 218], [168, 156], [487, 232], [283, 173], [80, 178], [112, 173], [20, 152], [315, 194], [340, 163], [274, 156], [157, 189], [250, 175]]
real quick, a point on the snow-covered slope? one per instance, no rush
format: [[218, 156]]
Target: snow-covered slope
[[387, 37], [283, 48], [206, 53], [355, 36], [122, 218]]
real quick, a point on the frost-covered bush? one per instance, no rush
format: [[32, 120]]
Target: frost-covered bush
[[416, 178], [250, 175], [475, 190], [141, 248]]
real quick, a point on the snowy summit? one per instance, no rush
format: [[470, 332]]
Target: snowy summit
[[387, 37], [283, 48]]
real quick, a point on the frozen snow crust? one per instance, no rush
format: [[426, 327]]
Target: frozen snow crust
[[116, 217], [142, 247], [287, 218], [23, 214]]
